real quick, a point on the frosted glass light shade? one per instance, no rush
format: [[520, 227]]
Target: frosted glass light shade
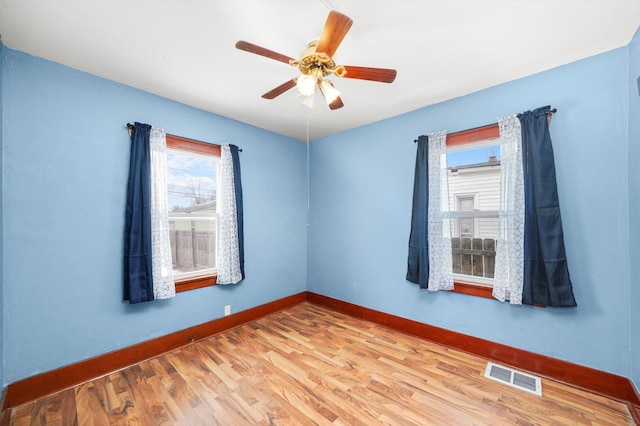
[[329, 91], [306, 84]]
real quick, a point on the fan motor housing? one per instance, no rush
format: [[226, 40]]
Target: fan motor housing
[[318, 64]]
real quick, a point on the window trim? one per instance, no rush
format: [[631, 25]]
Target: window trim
[[491, 131], [198, 147]]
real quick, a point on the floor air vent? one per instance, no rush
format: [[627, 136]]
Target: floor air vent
[[514, 378]]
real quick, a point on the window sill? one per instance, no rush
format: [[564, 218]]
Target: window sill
[[193, 283], [479, 290], [473, 289]]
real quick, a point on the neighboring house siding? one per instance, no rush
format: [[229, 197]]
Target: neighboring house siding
[[483, 183]]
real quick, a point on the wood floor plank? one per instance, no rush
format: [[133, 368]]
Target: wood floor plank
[[309, 365], [148, 407]]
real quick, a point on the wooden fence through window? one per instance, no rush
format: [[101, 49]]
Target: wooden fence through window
[[193, 250], [474, 256]]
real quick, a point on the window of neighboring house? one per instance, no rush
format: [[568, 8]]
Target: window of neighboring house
[[192, 180], [473, 163], [465, 225]]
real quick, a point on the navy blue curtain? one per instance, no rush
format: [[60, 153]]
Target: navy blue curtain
[[546, 275], [138, 278], [418, 260], [237, 183]]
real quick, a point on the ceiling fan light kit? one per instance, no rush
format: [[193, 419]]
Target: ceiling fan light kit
[[316, 63], [307, 82], [328, 90]]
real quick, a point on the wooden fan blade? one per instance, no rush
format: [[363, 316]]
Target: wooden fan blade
[[253, 48], [336, 104], [280, 89], [382, 75], [333, 33]]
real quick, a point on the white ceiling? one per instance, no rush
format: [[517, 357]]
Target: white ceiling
[[442, 49]]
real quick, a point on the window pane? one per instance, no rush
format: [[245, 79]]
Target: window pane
[[466, 204], [466, 227], [473, 156], [191, 182], [192, 212], [474, 179], [474, 200], [193, 245]]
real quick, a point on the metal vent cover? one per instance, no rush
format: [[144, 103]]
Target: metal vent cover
[[514, 378]]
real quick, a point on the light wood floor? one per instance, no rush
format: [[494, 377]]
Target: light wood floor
[[310, 365]]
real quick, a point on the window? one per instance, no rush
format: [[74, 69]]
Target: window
[[465, 226], [192, 169], [473, 165], [524, 145]]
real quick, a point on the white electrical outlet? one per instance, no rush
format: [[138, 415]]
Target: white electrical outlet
[[227, 310]]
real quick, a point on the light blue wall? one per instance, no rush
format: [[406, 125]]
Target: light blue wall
[[1, 219], [360, 204], [66, 152], [634, 204]]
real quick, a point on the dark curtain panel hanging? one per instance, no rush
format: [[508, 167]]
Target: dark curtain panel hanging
[[237, 183], [138, 278], [546, 275], [418, 260]]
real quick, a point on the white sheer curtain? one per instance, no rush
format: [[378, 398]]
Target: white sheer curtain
[[163, 282], [509, 267], [439, 221], [228, 246]]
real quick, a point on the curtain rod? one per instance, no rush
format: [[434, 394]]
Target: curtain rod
[[552, 111], [131, 127]]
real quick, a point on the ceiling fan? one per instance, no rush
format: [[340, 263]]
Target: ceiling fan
[[316, 64]]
